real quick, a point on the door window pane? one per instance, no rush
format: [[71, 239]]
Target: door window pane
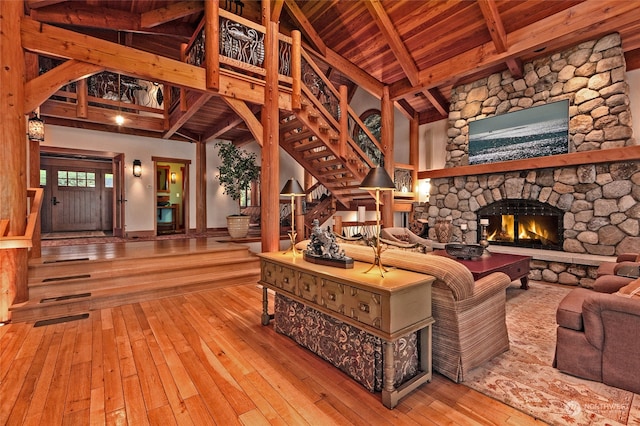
[[108, 180], [43, 178], [76, 179]]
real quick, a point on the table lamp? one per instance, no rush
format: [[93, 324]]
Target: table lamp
[[292, 189], [378, 180]]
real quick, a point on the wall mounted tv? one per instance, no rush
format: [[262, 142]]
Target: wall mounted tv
[[532, 132]]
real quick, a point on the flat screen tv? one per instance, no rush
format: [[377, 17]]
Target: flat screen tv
[[532, 132]]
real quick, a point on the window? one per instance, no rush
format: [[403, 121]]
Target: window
[[108, 180], [76, 179], [43, 177]]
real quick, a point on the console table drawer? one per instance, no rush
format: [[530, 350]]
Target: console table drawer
[[365, 307], [279, 276], [308, 285], [332, 296]]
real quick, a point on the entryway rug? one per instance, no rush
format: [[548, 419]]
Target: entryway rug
[[72, 235], [524, 378]]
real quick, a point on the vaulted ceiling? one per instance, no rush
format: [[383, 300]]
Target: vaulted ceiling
[[418, 50]]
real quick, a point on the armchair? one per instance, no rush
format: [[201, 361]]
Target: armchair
[[470, 317], [403, 236], [597, 335]]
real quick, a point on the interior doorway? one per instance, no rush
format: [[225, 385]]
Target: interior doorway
[[80, 192], [172, 195]]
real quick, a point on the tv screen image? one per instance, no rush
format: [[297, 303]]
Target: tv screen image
[[533, 132]]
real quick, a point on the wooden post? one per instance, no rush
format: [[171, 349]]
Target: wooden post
[[386, 113], [32, 71], [344, 121], [82, 105], [183, 91], [201, 187], [270, 172], [212, 44], [13, 151], [413, 153], [296, 71]]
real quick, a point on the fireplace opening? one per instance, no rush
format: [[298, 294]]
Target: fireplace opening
[[522, 223]]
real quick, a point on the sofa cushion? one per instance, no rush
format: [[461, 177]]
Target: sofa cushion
[[569, 313], [631, 290]]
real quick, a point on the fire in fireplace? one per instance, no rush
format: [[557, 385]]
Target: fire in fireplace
[[523, 223]]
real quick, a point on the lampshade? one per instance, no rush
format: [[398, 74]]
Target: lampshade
[[35, 129], [292, 189], [377, 178]]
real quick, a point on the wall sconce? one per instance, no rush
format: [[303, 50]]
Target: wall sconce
[[292, 189], [137, 168], [173, 178], [35, 128], [377, 180]]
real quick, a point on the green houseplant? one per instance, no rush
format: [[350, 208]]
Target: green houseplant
[[236, 172]]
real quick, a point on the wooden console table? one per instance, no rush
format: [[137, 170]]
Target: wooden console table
[[389, 307]]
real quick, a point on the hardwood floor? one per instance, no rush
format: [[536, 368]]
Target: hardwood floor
[[202, 358]]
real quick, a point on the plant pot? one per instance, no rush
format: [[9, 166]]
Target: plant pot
[[238, 226]]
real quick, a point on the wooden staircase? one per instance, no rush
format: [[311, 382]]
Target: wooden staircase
[[311, 138], [68, 286]]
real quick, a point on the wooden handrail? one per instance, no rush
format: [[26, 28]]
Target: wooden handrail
[[26, 240]]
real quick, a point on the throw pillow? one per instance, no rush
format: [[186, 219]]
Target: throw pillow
[[631, 290], [402, 237]]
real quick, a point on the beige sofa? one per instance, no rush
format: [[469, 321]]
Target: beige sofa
[[470, 325]]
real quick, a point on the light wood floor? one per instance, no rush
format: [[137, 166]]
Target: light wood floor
[[201, 359]]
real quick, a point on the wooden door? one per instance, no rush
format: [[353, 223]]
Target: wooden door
[[79, 195]]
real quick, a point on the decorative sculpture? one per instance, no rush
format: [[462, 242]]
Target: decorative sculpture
[[324, 250]]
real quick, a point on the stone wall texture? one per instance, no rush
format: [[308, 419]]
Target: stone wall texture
[[601, 201]]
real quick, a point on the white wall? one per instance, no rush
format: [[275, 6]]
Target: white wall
[[139, 192]]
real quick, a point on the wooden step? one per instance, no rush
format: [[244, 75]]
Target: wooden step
[[36, 310], [107, 268], [77, 280]]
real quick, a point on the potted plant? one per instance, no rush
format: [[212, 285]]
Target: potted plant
[[236, 172]]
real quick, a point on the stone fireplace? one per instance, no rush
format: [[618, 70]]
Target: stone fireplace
[[593, 205]]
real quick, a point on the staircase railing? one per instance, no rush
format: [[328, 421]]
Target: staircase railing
[[365, 148]]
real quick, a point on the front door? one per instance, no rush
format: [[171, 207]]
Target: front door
[[79, 194]]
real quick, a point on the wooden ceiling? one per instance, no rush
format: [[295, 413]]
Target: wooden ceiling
[[418, 49]]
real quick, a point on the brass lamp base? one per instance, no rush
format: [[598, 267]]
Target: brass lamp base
[[292, 248]]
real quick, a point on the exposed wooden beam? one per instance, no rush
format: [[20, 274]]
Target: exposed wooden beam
[[243, 110], [169, 13], [70, 13], [581, 22], [58, 42], [438, 101], [222, 126], [99, 115], [393, 39], [109, 127], [305, 26], [195, 100], [276, 10], [44, 86], [355, 73], [494, 24]]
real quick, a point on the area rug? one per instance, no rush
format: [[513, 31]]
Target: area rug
[[524, 378]]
